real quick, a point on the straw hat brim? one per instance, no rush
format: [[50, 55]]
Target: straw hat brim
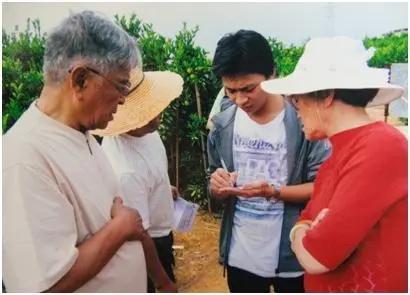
[[152, 96], [300, 83]]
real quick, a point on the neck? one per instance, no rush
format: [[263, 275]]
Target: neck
[[345, 117], [273, 106], [56, 105], [139, 132]]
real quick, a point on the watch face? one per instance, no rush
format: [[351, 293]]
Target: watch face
[[276, 193]]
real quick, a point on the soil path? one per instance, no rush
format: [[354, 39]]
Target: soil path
[[196, 254]]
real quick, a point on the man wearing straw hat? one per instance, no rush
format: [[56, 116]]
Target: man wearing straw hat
[[64, 229], [261, 139], [139, 159]]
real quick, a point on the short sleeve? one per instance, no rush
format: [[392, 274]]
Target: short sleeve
[[135, 190], [39, 230]]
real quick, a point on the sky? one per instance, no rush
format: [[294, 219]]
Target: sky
[[292, 23]]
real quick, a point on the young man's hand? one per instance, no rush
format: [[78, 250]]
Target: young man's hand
[[258, 188], [222, 180], [130, 219]]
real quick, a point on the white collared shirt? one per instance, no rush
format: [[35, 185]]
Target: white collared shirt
[[141, 166]]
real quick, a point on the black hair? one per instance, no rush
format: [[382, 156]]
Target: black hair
[[354, 97], [241, 53]]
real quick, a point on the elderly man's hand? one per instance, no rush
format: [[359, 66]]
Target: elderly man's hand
[[130, 220], [221, 180]]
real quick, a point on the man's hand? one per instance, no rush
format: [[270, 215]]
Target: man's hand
[[221, 180], [169, 287], [258, 188], [97, 251], [155, 270], [130, 218], [175, 192]]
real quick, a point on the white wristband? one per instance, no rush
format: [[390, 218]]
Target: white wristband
[[295, 228]]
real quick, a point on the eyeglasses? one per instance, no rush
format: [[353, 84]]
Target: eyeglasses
[[124, 89]]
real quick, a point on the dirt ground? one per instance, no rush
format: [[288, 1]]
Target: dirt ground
[[196, 254]]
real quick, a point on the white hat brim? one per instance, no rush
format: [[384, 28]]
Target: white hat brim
[[147, 101], [298, 83]]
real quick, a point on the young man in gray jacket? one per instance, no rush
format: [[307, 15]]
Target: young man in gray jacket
[[261, 166]]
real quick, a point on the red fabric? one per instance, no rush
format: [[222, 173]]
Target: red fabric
[[363, 238]]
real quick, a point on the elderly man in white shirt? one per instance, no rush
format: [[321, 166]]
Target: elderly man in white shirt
[[65, 227]]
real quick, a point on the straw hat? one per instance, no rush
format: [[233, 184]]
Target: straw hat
[[151, 93], [335, 63]]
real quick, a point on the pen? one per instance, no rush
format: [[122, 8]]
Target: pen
[[226, 169], [223, 164]]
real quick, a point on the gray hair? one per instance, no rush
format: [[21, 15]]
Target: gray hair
[[91, 38]]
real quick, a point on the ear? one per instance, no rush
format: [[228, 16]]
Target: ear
[[79, 80], [329, 99]]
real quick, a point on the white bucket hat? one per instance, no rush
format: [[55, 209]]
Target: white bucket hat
[[335, 63]]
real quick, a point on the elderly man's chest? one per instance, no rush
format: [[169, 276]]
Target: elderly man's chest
[[89, 184]]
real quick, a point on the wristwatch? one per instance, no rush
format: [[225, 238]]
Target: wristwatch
[[276, 194]]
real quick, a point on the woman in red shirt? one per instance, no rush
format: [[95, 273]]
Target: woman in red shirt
[[352, 236]]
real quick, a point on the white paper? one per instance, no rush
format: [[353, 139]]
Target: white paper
[[184, 214]]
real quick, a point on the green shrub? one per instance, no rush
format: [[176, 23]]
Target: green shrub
[[286, 57], [22, 71], [390, 48]]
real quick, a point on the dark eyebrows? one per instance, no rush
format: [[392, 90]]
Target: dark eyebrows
[[243, 89]]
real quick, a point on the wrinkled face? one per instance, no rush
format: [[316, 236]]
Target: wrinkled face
[[102, 96], [310, 111], [245, 91]]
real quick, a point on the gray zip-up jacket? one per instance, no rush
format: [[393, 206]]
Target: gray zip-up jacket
[[303, 159]]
